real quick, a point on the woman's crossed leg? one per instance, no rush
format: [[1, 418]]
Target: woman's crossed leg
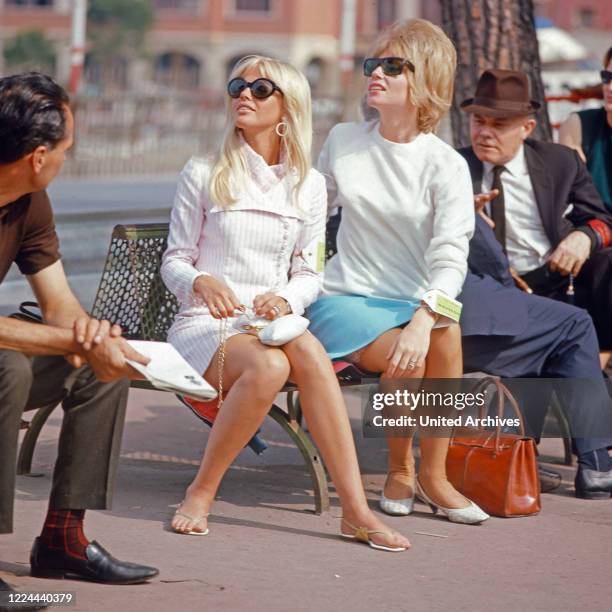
[[254, 374]]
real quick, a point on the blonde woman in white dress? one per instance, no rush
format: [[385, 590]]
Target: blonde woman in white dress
[[237, 230]]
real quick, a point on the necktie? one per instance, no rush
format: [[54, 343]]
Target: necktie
[[498, 211]]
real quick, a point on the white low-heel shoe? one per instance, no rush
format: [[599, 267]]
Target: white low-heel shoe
[[396, 507], [471, 515]]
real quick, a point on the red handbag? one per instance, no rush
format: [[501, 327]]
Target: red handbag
[[496, 470]]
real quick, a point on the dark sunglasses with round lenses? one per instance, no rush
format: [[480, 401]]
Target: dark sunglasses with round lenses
[[260, 88], [606, 76], [391, 66]]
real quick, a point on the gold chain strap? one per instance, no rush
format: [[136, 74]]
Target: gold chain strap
[[223, 335]]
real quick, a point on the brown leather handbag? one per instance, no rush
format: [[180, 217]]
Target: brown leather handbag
[[496, 470]]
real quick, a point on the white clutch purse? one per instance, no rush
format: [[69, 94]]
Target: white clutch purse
[[273, 333]]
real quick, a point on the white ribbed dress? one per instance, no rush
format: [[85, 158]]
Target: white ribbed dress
[[253, 246]]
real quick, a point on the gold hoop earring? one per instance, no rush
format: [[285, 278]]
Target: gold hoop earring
[[281, 129]]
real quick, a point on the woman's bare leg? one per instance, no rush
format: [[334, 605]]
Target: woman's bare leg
[[401, 467], [444, 360], [254, 374], [323, 406]]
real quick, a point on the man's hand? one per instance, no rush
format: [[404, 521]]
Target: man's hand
[[270, 306], [570, 254], [480, 201], [89, 332], [108, 359]]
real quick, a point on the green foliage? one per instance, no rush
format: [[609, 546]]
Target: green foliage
[[117, 28], [30, 50]]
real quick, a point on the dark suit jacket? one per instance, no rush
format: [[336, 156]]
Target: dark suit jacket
[[559, 178], [492, 304]]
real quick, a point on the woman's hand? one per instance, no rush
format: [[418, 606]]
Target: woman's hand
[[411, 347], [220, 299], [270, 306]]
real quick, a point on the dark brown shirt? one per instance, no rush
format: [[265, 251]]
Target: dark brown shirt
[[27, 234]]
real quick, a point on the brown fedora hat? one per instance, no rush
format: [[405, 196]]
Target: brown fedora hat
[[501, 93]]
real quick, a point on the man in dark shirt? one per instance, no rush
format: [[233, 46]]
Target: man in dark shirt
[[66, 358]]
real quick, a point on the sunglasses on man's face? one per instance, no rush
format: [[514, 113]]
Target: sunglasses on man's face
[[260, 88], [391, 66], [606, 76]]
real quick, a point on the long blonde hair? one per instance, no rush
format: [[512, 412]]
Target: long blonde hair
[[230, 165], [435, 60]]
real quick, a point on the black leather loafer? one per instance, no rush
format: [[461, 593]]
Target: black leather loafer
[[549, 479], [8, 604], [591, 484], [100, 566]]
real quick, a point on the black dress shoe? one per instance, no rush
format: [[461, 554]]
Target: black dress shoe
[[591, 484], [100, 565], [549, 479], [6, 605]]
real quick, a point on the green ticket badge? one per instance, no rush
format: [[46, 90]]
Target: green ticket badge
[[313, 255], [320, 256], [441, 304], [447, 307]]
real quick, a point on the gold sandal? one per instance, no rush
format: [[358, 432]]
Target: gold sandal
[[191, 519], [362, 534]]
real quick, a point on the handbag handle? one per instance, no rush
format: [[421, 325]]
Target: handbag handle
[[502, 393], [27, 314]]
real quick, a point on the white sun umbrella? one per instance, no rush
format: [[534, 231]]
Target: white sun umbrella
[[556, 45]]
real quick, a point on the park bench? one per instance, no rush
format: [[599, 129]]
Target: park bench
[[132, 294]]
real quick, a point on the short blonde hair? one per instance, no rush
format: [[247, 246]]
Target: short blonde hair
[[230, 165], [434, 58]]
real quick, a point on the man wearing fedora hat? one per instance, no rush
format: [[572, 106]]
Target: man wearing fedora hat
[[524, 190], [544, 207]]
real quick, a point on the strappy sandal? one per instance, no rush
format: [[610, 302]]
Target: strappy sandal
[[362, 534], [193, 520]]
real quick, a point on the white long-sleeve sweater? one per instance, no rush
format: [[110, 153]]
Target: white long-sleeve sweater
[[407, 213]]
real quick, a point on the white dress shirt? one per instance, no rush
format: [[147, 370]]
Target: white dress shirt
[[527, 244]]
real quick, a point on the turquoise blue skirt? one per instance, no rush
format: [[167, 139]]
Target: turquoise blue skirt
[[346, 323]]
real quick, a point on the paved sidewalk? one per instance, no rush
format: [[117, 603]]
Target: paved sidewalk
[[267, 551]]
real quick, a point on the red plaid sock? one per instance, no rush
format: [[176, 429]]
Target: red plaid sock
[[63, 530]]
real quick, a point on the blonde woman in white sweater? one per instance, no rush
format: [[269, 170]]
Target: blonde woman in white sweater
[[237, 231], [407, 217]]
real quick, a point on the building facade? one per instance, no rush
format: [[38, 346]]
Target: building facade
[[193, 43], [589, 21]]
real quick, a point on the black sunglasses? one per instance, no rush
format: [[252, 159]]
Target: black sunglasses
[[260, 88], [391, 66], [606, 76]]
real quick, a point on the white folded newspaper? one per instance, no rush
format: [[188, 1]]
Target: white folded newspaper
[[168, 371]]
